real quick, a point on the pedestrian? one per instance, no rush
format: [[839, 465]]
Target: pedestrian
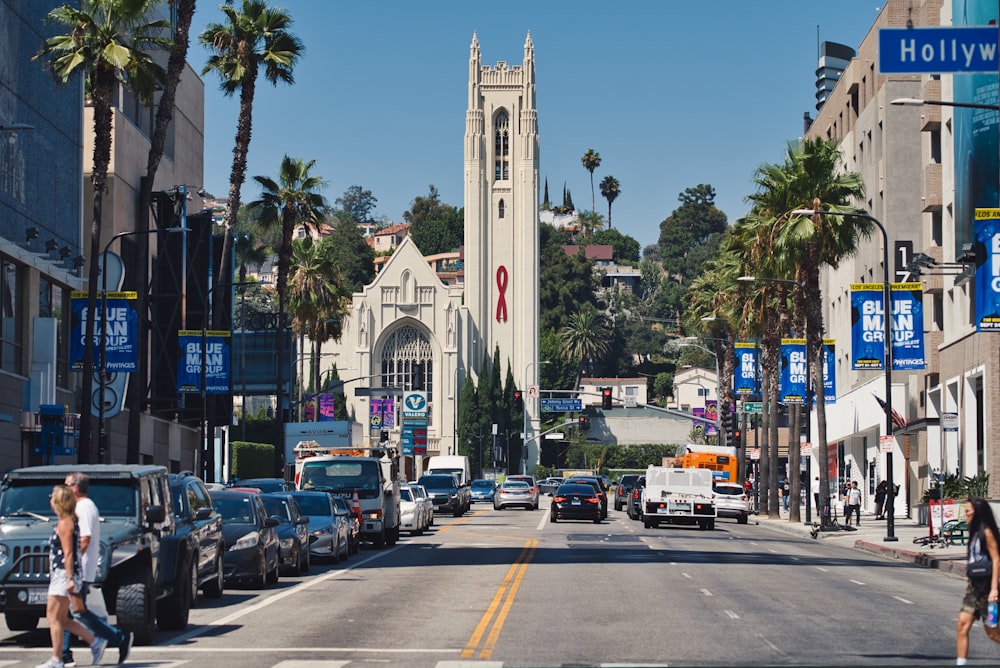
[[880, 493], [853, 503], [815, 491], [786, 494], [65, 580], [93, 614], [984, 541]]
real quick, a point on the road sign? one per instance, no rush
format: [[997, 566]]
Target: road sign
[[631, 401], [532, 391], [887, 443], [555, 436], [755, 454], [752, 407], [561, 405], [936, 50], [415, 405], [949, 421]]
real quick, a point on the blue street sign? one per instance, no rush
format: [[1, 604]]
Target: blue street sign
[[561, 405], [937, 50]]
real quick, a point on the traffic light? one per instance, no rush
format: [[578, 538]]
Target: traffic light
[[418, 377], [518, 401], [606, 398], [583, 422], [729, 424]]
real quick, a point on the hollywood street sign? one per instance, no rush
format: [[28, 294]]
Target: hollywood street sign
[[937, 50]]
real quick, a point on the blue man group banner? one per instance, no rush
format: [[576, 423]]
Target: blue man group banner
[[830, 371], [907, 326], [215, 361], [746, 367], [121, 332], [988, 270], [792, 382], [868, 326]]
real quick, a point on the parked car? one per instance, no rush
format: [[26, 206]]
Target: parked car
[[293, 531], [515, 493], [448, 495], [413, 515], [265, 485], [634, 508], [420, 496], [624, 488], [575, 501], [731, 501], [532, 483], [549, 485], [199, 527], [329, 537], [483, 490], [599, 488], [251, 537], [343, 507]]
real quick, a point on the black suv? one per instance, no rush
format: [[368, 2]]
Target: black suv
[[447, 494], [140, 549], [199, 532], [624, 488]]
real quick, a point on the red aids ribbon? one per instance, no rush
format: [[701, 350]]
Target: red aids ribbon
[[502, 288]]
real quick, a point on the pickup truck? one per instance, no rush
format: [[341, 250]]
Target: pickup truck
[[678, 496]]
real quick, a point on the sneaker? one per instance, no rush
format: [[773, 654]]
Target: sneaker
[[68, 660], [53, 662], [97, 650], [125, 647]]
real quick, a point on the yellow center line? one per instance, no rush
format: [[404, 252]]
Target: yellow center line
[[491, 639], [515, 573]]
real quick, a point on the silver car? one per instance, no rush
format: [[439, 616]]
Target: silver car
[[515, 493], [329, 533]]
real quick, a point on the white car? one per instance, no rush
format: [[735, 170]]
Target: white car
[[731, 501], [420, 495], [412, 515]]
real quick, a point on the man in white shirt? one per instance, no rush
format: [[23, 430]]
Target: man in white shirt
[[853, 504], [89, 520]]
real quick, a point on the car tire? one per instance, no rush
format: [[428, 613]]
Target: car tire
[[552, 518], [273, 575], [306, 560], [296, 568], [214, 587], [135, 605], [597, 521], [21, 622], [742, 519], [173, 611], [335, 553], [380, 540]]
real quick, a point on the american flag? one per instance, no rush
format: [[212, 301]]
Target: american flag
[[898, 420]]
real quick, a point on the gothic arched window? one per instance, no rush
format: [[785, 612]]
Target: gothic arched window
[[501, 149], [408, 361]]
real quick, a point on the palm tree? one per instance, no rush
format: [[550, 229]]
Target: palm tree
[[255, 37], [585, 338], [591, 160], [292, 199], [610, 190], [106, 42], [589, 222]]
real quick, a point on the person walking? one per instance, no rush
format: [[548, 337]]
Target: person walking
[[984, 540], [65, 580], [853, 504], [880, 494], [786, 494], [93, 614], [815, 493]]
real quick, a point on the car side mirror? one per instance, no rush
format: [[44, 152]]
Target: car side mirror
[[302, 520], [204, 513], [156, 514], [270, 523]]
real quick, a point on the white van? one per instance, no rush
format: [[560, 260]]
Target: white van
[[457, 464]]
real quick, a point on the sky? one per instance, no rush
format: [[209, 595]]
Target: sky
[[670, 93]]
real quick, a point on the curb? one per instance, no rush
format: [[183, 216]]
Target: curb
[[950, 566]]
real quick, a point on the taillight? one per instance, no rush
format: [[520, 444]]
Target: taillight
[[558, 499], [593, 499]]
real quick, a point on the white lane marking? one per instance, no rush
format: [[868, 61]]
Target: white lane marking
[[857, 582], [706, 592], [770, 644], [313, 663], [544, 520], [820, 568], [687, 575], [900, 598], [731, 614], [305, 584]]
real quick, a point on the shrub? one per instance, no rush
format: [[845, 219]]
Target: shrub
[[959, 488], [252, 460]]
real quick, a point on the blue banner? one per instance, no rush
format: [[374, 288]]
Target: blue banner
[[215, 361], [121, 335], [746, 367], [907, 326], [830, 371], [988, 270], [792, 383], [867, 326]]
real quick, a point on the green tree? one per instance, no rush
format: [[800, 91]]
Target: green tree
[[358, 203], [350, 252], [610, 189], [624, 247], [435, 227], [254, 37], [589, 222], [566, 283], [545, 198], [108, 42], [591, 160], [585, 338]]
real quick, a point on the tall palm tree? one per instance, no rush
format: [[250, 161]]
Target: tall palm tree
[[589, 222], [610, 190], [294, 198], [585, 338], [254, 37], [591, 160], [106, 42]]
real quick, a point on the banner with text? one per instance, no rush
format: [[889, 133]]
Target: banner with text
[[214, 361], [867, 329], [988, 270], [868, 326], [907, 326], [120, 336], [792, 383], [830, 371], [746, 367]]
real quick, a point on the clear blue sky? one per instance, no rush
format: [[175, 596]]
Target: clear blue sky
[[670, 93]]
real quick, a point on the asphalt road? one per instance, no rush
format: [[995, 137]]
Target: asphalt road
[[511, 589]]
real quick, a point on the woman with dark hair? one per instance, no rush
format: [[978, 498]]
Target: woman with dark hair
[[984, 541]]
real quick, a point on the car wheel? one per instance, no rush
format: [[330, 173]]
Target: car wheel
[[273, 574], [335, 554], [380, 540], [213, 588], [297, 563], [552, 518], [21, 622], [347, 548], [742, 519], [172, 612], [306, 560], [135, 604], [597, 520]]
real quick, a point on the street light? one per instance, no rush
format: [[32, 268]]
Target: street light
[[103, 364], [527, 419], [887, 345]]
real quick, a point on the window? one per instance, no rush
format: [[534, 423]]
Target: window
[[12, 323], [501, 149], [407, 355], [53, 302], [500, 210]]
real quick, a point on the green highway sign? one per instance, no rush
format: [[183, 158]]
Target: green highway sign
[[753, 407]]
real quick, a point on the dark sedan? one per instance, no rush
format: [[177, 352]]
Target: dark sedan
[[575, 501], [598, 487], [293, 531], [250, 536], [624, 489]]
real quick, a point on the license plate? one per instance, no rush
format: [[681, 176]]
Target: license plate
[[575, 502], [38, 596]]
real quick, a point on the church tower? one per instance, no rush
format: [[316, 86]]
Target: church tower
[[501, 221]]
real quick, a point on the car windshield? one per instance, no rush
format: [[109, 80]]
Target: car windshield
[[113, 498], [566, 490], [515, 484], [438, 482], [734, 490], [314, 505], [265, 485], [482, 484], [343, 477], [277, 508], [405, 494], [234, 509]]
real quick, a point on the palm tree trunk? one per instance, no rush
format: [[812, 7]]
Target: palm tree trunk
[[794, 459], [764, 463], [772, 490]]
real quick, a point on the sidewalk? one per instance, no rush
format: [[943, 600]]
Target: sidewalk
[[870, 536]]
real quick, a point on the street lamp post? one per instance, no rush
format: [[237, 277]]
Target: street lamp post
[[887, 345], [103, 360], [718, 377], [525, 436]]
